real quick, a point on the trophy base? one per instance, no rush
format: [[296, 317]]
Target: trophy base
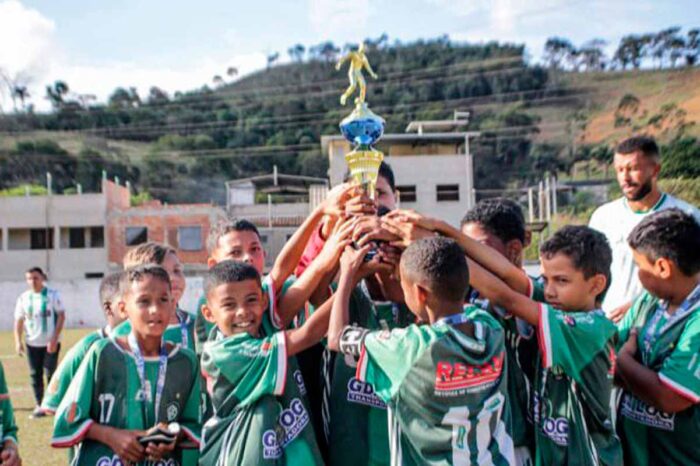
[[364, 168]]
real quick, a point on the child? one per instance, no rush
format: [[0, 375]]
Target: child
[[109, 297], [9, 455], [573, 379], [129, 385], [181, 326], [444, 383], [659, 365], [261, 416], [499, 223]]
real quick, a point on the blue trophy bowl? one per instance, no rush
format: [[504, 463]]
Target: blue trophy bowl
[[362, 126]]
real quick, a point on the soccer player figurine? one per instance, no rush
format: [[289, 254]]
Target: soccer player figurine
[[358, 62], [134, 399], [659, 364], [444, 382]]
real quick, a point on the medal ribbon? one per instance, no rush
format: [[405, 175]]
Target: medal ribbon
[[141, 370]]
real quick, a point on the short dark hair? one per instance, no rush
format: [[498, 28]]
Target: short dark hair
[[229, 271], [224, 228], [644, 144], [672, 234], [139, 272], [386, 172], [147, 253], [587, 248], [109, 287], [501, 217], [441, 264], [37, 270]]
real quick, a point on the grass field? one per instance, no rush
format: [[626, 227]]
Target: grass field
[[34, 434]]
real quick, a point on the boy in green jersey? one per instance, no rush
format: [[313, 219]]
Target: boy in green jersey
[[128, 387], [180, 329], [573, 378], [499, 223], [9, 455], [444, 382], [260, 410], [658, 366], [109, 298]]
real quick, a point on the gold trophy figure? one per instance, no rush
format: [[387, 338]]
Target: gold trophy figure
[[362, 127]]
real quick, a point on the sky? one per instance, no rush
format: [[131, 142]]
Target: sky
[[96, 46]]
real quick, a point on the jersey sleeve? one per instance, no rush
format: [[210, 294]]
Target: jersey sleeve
[[19, 309], [635, 317], [536, 290], [274, 297], [571, 340], [9, 426], [386, 357], [681, 370], [73, 419], [254, 366], [65, 372], [58, 303], [191, 418]]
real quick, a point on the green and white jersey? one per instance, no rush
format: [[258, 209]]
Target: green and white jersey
[[572, 389], [354, 416], [202, 327], [181, 333], [260, 412], [107, 390], [670, 346], [616, 221], [40, 313], [445, 391], [61, 379], [521, 354], [8, 427]]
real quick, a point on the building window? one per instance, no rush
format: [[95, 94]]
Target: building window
[[41, 238], [407, 193], [97, 237], [76, 238], [136, 235], [447, 192], [189, 238]]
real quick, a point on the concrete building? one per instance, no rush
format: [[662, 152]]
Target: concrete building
[[185, 227], [62, 234], [276, 203], [433, 171]]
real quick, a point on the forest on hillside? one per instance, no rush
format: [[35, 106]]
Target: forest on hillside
[[182, 147]]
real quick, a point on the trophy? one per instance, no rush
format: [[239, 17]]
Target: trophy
[[362, 127]]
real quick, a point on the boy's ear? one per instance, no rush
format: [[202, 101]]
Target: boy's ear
[[599, 283], [121, 308], [421, 293], [265, 301], [514, 250], [528, 239], [664, 268], [211, 262], [206, 312]]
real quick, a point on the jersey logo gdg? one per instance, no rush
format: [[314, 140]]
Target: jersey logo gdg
[[636, 410], [299, 379], [457, 377], [116, 461], [292, 421], [363, 393]]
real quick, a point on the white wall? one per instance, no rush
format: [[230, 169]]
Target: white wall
[[81, 299]]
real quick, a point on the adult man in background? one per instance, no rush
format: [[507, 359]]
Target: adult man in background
[[637, 165]]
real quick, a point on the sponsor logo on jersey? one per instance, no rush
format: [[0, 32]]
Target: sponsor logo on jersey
[[115, 461], [142, 395], [570, 321], [555, 428], [292, 421], [363, 393], [636, 410], [299, 379], [172, 411], [455, 378]]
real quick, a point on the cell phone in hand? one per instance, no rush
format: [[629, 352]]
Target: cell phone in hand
[[160, 434]]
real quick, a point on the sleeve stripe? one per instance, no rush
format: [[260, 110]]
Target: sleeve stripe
[[191, 435], [11, 438], [530, 286], [361, 371], [281, 378], [70, 440], [272, 305], [4, 396], [679, 389], [544, 338]]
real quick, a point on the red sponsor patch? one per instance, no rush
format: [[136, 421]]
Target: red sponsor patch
[[450, 376], [265, 347], [613, 360]]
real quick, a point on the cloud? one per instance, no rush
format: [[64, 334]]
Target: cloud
[[27, 39], [339, 18]]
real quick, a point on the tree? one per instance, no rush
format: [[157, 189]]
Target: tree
[[592, 55], [124, 98], [631, 50], [556, 50], [218, 80], [296, 53], [56, 94], [231, 71], [692, 47], [272, 58], [157, 95]]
